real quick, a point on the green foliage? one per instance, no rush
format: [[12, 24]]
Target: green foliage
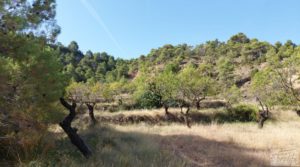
[[225, 69], [7, 70], [286, 50], [92, 67], [195, 84], [226, 80], [149, 100], [232, 95], [77, 91], [118, 88], [172, 67], [30, 75], [94, 92], [253, 72], [73, 46], [35, 78], [255, 51], [239, 38], [35, 17], [218, 60], [155, 91], [243, 113], [166, 85], [286, 72], [266, 86], [140, 85]]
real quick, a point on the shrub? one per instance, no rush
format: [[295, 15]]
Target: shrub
[[149, 100], [243, 113], [23, 139]]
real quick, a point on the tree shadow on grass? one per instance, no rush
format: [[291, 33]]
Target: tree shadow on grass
[[115, 148], [199, 151]]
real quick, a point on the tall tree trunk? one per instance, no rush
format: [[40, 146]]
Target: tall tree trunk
[[72, 132], [91, 112]]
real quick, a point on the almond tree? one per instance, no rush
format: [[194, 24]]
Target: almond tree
[[195, 86], [266, 92], [165, 85]]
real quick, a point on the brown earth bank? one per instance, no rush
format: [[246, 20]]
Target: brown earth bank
[[160, 118]]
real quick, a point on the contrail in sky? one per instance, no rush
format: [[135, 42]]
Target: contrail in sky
[[96, 16]]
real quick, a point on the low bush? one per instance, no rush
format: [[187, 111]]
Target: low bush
[[148, 100], [23, 140], [243, 113]]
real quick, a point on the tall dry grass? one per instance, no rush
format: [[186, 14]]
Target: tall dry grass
[[112, 148], [213, 144], [228, 144]]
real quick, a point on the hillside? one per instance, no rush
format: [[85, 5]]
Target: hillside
[[244, 53], [234, 62]]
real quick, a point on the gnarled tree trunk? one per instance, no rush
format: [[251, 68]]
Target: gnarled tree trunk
[[198, 101], [91, 106], [198, 105], [166, 107], [181, 107], [183, 103], [263, 115], [72, 132], [262, 118], [298, 112], [187, 115]]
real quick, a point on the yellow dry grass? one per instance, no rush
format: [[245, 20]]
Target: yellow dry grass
[[229, 144]]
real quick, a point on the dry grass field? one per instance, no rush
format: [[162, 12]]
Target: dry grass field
[[224, 145], [174, 144]]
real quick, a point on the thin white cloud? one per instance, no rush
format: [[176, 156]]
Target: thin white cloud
[[100, 21]]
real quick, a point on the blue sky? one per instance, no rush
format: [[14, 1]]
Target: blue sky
[[130, 28]]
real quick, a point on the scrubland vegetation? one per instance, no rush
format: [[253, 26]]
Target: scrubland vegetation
[[214, 104]]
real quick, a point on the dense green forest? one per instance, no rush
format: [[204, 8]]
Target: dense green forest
[[41, 79]]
